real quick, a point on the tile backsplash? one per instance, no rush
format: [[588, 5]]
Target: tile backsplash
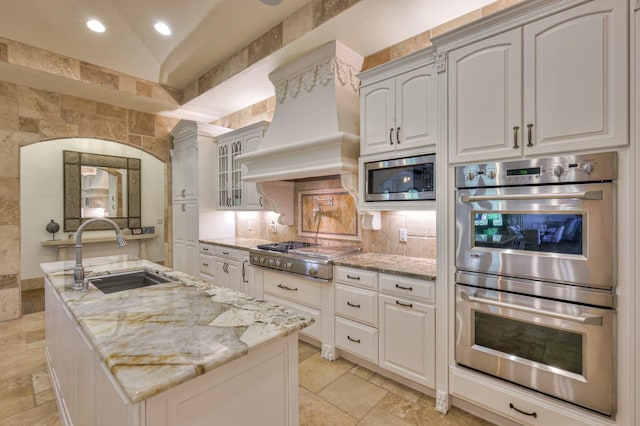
[[420, 226]]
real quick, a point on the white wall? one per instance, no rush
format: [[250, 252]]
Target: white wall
[[41, 199]]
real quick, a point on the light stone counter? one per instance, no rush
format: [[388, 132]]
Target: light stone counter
[[237, 243], [154, 338], [414, 267]]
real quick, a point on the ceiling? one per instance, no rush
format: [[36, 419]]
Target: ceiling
[[205, 32]]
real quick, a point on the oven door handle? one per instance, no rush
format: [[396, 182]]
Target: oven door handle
[[582, 318], [585, 195]]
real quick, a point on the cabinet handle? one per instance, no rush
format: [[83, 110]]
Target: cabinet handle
[[398, 135], [352, 339], [244, 280], [284, 287], [226, 253], [183, 208], [529, 127], [205, 264], [515, 137], [513, 407], [205, 248], [225, 267], [353, 278], [228, 202], [404, 288], [406, 305], [182, 193], [352, 305], [261, 202], [391, 136]]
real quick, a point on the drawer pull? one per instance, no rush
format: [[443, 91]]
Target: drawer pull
[[353, 278], [404, 288], [407, 305], [205, 264], [284, 287], [225, 253], [352, 305], [205, 248], [352, 339], [513, 407]]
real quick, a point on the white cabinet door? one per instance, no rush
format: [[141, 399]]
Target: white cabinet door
[[576, 79], [377, 115], [407, 339], [178, 174], [252, 199], [234, 270], [416, 103], [185, 169], [185, 237], [224, 185], [485, 99]]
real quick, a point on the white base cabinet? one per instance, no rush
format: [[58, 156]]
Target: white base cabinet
[[231, 269], [265, 381]]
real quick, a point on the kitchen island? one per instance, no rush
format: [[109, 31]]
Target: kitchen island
[[179, 353]]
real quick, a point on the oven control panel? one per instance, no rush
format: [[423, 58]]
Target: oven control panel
[[600, 167]]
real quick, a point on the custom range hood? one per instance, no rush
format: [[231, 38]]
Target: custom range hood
[[316, 123]]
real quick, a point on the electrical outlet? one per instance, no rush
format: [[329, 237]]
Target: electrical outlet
[[250, 226], [403, 234], [159, 221], [273, 226]]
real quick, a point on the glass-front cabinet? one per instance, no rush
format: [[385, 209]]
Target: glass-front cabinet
[[233, 193]]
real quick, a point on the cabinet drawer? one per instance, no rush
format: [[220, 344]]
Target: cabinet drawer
[[315, 329], [357, 338], [293, 288], [207, 264], [228, 253], [206, 249], [408, 287], [357, 304], [357, 277]]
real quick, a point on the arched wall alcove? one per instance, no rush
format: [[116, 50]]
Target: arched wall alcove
[[42, 199]]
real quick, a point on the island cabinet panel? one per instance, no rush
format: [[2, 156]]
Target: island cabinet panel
[[258, 389], [112, 405]]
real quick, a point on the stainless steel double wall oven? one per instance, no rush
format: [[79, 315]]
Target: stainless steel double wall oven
[[535, 275]]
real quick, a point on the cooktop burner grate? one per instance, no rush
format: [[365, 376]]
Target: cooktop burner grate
[[284, 246]]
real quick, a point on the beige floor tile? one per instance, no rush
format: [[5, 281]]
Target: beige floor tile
[[315, 373], [353, 395], [41, 415], [41, 381], [362, 372], [316, 412], [396, 388], [16, 395], [44, 396], [397, 405], [380, 417], [306, 351], [21, 363]]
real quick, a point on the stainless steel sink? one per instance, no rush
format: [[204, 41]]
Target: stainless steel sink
[[129, 280]]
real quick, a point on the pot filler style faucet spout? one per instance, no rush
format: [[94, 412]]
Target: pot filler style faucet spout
[[79, 283]]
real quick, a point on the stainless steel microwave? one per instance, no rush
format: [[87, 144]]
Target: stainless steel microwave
[[401, 179]]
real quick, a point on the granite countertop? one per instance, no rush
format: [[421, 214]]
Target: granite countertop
[[414, 267], [237, 243], [157, 337]]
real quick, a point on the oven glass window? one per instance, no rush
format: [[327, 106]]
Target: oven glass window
[[549, 346], [548, 232], [404, 179]]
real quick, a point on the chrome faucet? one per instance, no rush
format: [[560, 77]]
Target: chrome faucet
[[79, 283]]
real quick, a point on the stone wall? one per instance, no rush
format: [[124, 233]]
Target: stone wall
[[29, 115]]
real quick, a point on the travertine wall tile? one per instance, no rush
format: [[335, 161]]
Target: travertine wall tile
[[158, 147], [127, 84], [135, 140], [239, 61], [9, 201], [31, 283], [77, 104], [141, 123], [10, 249], [57, 128], [190, 92], [98, 126], [8, 281], [8, 89], [111, 111], [266, 44], [99, 76], [29, 125], [323, 10], [37, 103], [4, 57], [10, 303], [411, 45], [9, 113], [143, 89], [298, 24], [378, 58], [43, 60]]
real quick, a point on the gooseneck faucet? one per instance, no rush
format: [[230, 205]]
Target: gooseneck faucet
[[79, 283]]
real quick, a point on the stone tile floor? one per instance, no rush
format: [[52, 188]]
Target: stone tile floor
[[331, 393]]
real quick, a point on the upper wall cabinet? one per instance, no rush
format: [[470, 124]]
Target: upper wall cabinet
[[233, 193], [398, 104], [553, 85]]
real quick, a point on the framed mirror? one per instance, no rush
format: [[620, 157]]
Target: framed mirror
[[97, 185]]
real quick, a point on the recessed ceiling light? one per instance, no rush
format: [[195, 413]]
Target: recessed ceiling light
[[95, 25], [271, 2], [162, 28]]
